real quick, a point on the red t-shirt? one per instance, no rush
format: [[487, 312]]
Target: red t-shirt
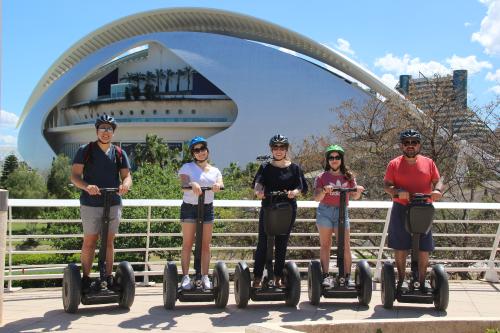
[[413, 178], [326, 178]]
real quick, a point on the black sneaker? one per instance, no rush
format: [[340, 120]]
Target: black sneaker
[[86, 282], [111, 284]]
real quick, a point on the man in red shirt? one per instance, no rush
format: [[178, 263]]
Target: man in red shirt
[[405, 175]]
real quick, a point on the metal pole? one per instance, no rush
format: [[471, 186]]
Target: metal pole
[[378, 270], [9, 222], [4, 196], [491, 275], [146, 259]]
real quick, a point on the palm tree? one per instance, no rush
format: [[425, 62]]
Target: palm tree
[[153, 151], [160, 74], [188, 70], [168, 75], [180, 72], [129, 77]]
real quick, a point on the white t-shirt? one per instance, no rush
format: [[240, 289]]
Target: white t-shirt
[[196, 174]]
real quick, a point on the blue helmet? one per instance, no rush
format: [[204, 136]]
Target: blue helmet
[[196, 140]]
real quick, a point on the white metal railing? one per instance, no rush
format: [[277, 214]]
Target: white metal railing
[[489, 264]]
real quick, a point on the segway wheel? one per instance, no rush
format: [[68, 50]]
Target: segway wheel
[[439, 283], [291, 277], [363, 278], [241, 285], [388, 285], [169, 285], [221, 284], [125, 279], [314, 282], [71, 288]]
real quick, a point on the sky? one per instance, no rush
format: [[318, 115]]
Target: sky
[[387, 37]]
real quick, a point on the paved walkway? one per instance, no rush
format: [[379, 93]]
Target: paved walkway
[[40, 310]]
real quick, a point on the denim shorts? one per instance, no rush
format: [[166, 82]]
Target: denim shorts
[[399, 238], [328, 216], [92, 219], [189, 213]]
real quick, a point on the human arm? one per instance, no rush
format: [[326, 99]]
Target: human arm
[[77, 180], [126, 178]]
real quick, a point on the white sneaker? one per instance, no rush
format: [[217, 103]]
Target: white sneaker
[[327, 282], [206, 282], [186, 283]]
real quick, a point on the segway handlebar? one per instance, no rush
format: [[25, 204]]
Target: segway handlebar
[[415, 196], [345, 189], [283, 193], [203, 188]]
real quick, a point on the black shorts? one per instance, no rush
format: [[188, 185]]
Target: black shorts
[[399, 238]]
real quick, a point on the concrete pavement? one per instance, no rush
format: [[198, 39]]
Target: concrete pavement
[[40, 310]]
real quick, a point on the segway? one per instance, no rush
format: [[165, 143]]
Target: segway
[[418, 221], [123, 289], [277, 221], [220, 277], [362, 288]]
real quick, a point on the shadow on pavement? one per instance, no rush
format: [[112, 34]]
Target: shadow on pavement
[[58, 320]]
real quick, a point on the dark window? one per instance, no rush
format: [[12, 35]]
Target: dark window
[[180, 111], [154, 111], [167, 111], [142, 111], [121, 113], [193, 111], [104, 84], [112, 113], [131, 112]]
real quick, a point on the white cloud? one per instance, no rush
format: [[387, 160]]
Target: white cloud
[[8, 119], [495, 89], [469, 63], [389, 80], [8, 140], [408, 65], [489, 33], [344, 46], [493, 76], [467, 24]]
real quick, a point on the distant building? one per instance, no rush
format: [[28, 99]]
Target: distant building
[[444, 98]]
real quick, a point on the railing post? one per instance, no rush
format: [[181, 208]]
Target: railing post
[[378, 269], [9, 222], [491, 275], [146, 259], [4, 198]]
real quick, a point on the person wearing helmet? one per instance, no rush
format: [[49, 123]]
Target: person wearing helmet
[[278, 175], [335, 175], [410, 173], [196, 174], [97, 165]]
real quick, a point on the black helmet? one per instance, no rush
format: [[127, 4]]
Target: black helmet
[[278, 139], [105, 119], [410, 133]]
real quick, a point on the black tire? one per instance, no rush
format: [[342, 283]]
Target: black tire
[[241, 285], [71, 288], [441, 289], [314, 282], [363, 278], [291, 278], [388, 281], [125, 279], [221, 284], [170, 285]]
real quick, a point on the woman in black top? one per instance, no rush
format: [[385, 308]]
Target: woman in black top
[[278, 175]]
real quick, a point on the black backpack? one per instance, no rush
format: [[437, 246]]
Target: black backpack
[[87, 155]]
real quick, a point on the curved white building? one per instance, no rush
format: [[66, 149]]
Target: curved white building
[[221, 75]]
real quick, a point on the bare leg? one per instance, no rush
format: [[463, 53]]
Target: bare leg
[[188, 231], [401, 263], [423, 261], [110, 254], [325, 241], [205, 248], [88, 252]]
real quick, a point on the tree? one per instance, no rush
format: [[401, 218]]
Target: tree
[[149, 77], [179, 73], [159, 74], [188, 71], [10, 164], [168, 74], [153, 151], [59, 177]]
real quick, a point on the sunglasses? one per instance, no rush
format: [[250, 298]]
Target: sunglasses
[[334, 158], [411, 143], [105, 129], [199, 150]]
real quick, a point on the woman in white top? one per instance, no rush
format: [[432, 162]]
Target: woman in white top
[[197, 174]]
